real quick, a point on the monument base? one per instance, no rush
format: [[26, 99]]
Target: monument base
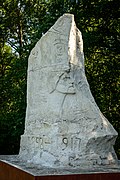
[[11, 168]]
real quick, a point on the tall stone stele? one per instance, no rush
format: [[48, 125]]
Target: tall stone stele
[[64, 126]]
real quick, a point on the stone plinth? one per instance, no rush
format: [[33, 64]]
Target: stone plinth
[[11, 168]]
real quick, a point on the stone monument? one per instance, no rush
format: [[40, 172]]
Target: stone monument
[[64, 126]]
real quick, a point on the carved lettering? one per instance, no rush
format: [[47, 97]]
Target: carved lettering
[[75, 143], [35, 53], [39, 141], [72, 142], [65, 141], [60, 49]]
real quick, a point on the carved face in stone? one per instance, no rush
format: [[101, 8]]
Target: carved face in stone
[[66, 84]]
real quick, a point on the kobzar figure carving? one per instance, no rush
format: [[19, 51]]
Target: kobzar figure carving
[[64, 127]]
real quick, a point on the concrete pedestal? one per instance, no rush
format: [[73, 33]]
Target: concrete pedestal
[[11, 168]]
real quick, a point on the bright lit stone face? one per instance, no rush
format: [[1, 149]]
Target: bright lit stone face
[[64, 127]]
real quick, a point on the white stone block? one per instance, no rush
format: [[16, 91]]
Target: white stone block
[[64, 126]]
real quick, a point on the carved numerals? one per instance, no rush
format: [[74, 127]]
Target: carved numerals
[[65, 143], [71, 142], [40, 142]]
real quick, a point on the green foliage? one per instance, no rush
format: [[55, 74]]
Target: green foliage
[[23, 23]]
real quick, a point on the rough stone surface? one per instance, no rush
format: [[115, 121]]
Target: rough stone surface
[[39, 170], [64, 127]]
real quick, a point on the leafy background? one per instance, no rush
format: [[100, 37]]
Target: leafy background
[[22, 24]]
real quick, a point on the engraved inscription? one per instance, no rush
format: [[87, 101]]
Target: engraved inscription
[[41, 142], [72, 142], [59, 49], [75, 143], [65, 142], [35, 53]]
